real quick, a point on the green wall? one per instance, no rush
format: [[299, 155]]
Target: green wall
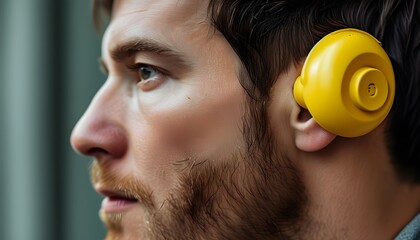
[[48, 74]]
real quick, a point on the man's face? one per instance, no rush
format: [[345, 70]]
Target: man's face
[[176, 154]]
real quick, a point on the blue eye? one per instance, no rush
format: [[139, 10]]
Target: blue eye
[[146, 72]]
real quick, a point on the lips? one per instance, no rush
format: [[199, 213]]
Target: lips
[[116, 201]]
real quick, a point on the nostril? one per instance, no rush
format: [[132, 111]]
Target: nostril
[[96, 151]]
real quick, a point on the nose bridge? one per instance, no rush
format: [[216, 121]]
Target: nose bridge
[[106, 101], [100, 131]]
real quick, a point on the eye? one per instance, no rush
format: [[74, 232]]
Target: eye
[[147, 73], [148, 77]]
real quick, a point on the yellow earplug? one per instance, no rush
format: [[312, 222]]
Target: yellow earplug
[[347, 83]]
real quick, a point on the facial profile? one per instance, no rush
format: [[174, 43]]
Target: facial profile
[[174, 135], [197, 133]]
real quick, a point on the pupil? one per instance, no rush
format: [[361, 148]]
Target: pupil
[[145, 73]]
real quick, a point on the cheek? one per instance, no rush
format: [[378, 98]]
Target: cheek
[[181, 121], [194, 115]]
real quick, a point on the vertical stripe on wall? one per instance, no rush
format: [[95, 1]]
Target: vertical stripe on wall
[[48, 74]]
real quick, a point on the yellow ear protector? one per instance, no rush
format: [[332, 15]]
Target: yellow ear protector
[[347, 83]]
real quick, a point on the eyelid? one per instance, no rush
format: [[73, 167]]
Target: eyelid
[[136, 67], [153, 82]]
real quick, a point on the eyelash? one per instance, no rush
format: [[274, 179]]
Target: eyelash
[[136, 67], [147, 85]]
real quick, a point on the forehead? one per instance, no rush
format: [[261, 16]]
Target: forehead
[[164, 20], [161, 13], [172, 9]]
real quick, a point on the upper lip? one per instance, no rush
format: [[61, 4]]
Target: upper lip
[[115, 193]]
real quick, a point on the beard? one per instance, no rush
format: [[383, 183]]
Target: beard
[[253, 194]]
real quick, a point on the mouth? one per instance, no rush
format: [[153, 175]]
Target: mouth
[[116, 202]]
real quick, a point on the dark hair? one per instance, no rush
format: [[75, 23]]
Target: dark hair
[[270, 35]]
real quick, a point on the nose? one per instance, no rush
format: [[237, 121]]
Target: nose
[[100, 131]]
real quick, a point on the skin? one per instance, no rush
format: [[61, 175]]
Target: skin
[[180, 130], [157, 139]]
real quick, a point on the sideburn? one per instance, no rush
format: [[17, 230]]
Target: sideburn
[[255, 194]]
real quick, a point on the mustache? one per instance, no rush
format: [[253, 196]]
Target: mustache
[[127, 186]]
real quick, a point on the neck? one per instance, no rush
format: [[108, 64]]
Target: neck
[[358, 196]]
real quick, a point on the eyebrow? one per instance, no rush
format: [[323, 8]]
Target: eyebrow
[[129, 48]]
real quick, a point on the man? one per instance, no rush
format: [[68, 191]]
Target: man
[[196, 133]]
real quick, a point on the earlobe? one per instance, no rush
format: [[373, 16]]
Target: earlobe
[[309, 135]]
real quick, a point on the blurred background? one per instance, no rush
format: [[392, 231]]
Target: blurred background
[[48, 74]]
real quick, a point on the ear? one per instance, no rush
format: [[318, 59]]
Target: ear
[[309, 135]]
